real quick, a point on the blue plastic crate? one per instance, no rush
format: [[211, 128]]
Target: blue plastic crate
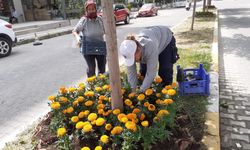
[[196, 82]]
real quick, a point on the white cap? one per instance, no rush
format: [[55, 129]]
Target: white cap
[[127, 50]]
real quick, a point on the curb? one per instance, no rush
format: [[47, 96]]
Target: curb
[[212, 133]]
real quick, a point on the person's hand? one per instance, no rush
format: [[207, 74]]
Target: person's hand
[[78, 41]]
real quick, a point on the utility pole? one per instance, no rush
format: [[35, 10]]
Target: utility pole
[[112, 58]]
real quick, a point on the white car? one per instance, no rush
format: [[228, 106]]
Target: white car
[[7, 38]]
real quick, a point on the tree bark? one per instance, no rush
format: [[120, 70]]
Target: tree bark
[[192, 24], [112, 58], [209, 2], [204, 5]]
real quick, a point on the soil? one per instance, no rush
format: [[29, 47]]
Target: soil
[[184, 137]]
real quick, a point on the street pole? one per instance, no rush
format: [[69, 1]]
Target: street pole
[[63, 9], [112, 58], [192, 25]]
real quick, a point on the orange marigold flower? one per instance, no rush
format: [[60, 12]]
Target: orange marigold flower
[[74, 119], [171, 92], [70, 110], [158, 101], [131, 95], [51, 98], [168, 101], [174, 84], [86, 112], [116, 111], [128, 102], [101, 97], [105, 87], [158, 94], [89, 93], [63, 90], [151, 107], [81, 114], [168, 87], [146, 104], [89, 103], [149, 92], [141, 97], [108, 126], [98, 89], [116, 130], [158, 80], [162, 113], [144, 123], [131, 116], [55, 105], [75, 103], [123, 91], [100, 111], [80, 99], [120, 116], [63, 99], [100, 106], [164, 91], [136, 110], [142, 117]]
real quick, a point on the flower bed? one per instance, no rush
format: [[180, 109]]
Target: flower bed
[[85, 113]]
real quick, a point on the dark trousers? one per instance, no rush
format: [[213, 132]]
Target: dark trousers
[[101, 63], [165, 65]]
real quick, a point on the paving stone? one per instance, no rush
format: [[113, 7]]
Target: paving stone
[[240, 137], [247, 118], [240, 107], [241, 98], [230, 116], [245, 130], [246, 103], [238, 123], [246, 146], [247, 112], [225, 97]]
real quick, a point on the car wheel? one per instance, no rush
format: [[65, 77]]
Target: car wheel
[[156, 13], [5, 47], [126, 21]]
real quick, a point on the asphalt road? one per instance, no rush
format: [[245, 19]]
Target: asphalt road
[[32, 73]]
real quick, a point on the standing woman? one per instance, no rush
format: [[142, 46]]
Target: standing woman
[[92, 28]]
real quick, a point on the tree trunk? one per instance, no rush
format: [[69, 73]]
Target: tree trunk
[[113, 63], [209, 2], [192, 24], [204, 5]]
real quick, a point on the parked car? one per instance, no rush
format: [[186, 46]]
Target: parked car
[[179, 3], [121, 13], [7, 38], [147, 10]]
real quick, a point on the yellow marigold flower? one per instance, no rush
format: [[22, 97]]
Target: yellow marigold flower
[[63, 90], [108, 126], [89, 103], [89, 93], [105, 87], [156, 119], [80, 99], [98, 148], [124, 119], [70, 110], [131, 126], [168, 87], [81, 85], [131, 116], [63, 99], [171, 92], [100, 121], [72, 89], [80, 89], [132, 107], [151, 107], [116, 130], [55, 105], [128, 102], [140, 77], [51, 98], [168, 101], [136, 110], [85, 148], [87, 127], [74, 119], [98, 89], [104, 139], [86, 112], [100, 106], [102, 76], [144, 123], [142, 117], [79, 125], [93, 122], [120, 116], [146, 104], [174, 84], [162, 113], [164, 91], [91, 79], [141, 97], [132, 95], [158, 80], [116, 111], [61, 132], [92, 116], [158, 101], [100, 111], [149, 92], [158, 94], [101, 97], [123, 91], [75, 103]]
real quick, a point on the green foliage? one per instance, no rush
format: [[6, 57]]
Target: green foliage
[[64, 143], [204, 14]]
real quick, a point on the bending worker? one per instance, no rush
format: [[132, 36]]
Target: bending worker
[[153, 44]]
